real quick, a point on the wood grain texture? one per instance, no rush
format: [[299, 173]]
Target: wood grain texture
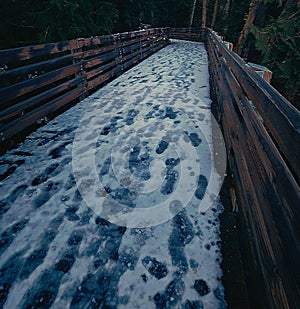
[[267, 189], [32, 117], [30, 103], [13, 92], [281, 119], [40, 76]]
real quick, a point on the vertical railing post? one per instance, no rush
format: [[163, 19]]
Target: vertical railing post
[[82, 72], [141, 48], [117, 41]]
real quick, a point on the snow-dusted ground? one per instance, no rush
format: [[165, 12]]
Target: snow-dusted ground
[[105, 206]]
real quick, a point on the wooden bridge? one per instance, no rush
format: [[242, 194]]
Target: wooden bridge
[[260, 127]]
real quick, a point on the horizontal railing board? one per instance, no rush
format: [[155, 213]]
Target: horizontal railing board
[[32, 117], [130, 63], [26, 53], [187, 34], [236, 141], [16, 90], [273, 166], [134, 41], [130, 56], [131, 48], [38, 68], [99, 51], [88, 43], [94, 83], [100, 70], [29, 52], [36, 100], [92, 62], [140, 33]]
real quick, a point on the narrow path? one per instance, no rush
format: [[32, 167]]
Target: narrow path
[[113, 203]]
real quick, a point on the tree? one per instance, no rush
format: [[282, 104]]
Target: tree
[[25, 22], [242, 46], [214, 18], [204, 10], [232, 19], [15, 26], [60, 19], [226, 13], [279, 44], [193, 13]]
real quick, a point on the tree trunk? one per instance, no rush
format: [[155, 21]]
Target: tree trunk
[[193, 13], [204, 4], [242, 42], [214, 18], [225, 15]]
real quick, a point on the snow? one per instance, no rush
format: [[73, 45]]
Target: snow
[[125, 177]]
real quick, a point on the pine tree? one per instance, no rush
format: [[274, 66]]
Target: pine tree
[[279, 45]]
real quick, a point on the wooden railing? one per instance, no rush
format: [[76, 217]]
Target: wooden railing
[[190, 34], [262, 135], [261, 131], [36, 81]]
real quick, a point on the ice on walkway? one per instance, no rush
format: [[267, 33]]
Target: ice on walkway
[[112, 204]]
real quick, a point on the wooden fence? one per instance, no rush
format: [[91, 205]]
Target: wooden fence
[[262, 135], [38, 80], [189, 34]]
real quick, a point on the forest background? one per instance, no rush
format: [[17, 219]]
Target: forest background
[[263, 31]]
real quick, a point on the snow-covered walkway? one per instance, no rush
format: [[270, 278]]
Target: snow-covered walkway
[[113, 203]]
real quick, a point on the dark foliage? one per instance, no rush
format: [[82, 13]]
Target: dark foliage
[[273, 39]]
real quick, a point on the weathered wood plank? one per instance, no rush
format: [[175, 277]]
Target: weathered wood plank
[[92, 62], [134, 41], [100, 51], [131, 48], [238, 160], [131, 55], [14, 91], [131, 61], [29, 52], [98, 81], [28, 119], [268, 192], [100, 70], [13, 75], [25, 53], [280, 117], [20, 108]]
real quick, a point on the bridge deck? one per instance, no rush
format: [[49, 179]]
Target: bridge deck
[[103, 204]]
